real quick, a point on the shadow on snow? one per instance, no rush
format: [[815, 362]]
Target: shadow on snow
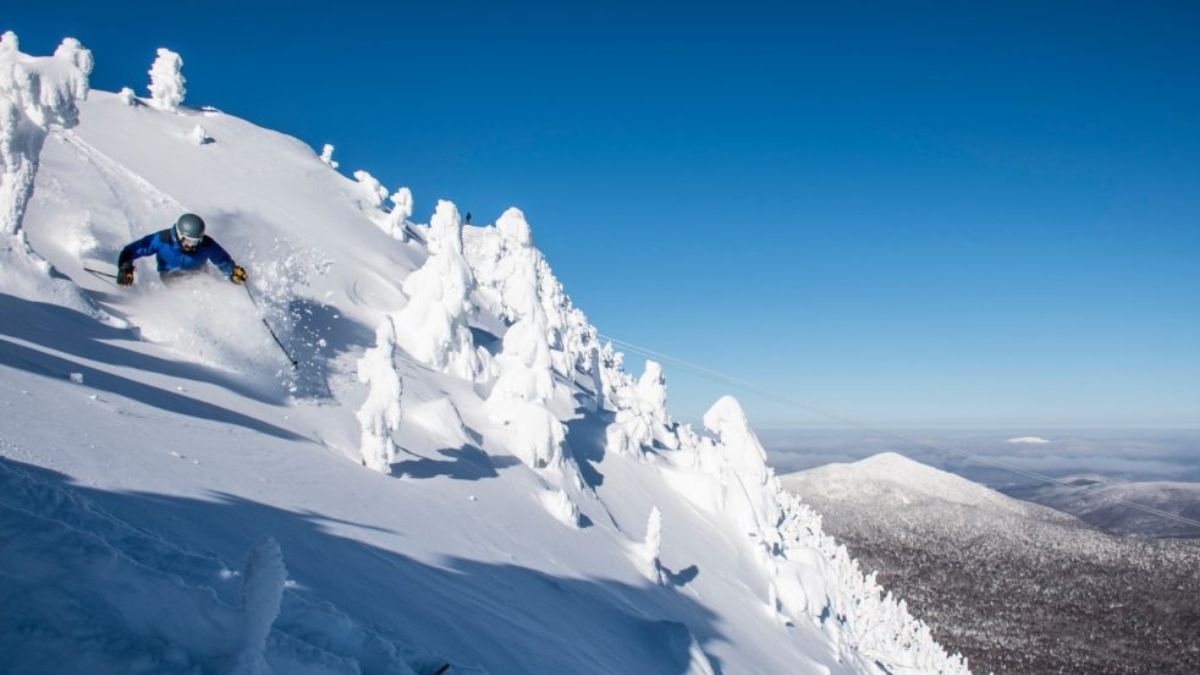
[[504, 617], [465, 463], [47, 365], [80, 335], [586, 440]]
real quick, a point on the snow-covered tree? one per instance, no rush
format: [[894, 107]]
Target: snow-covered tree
[[508, 269], [524, 363], [73, 52], [559, 504], [36, 95], [166, 81], [199, 135], [652, 389], [641, 418], [520, 393], [517, 284], [504, 261], [402, 210], [327, 156], [651, 547], [739, 450], [127, 96], [263, 579], [380, 413], [433, 327], [371, 192], [526, 368]]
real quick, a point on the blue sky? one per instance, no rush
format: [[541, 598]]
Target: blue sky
[[936, 214]]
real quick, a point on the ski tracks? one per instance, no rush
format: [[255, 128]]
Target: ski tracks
[[113, 173]]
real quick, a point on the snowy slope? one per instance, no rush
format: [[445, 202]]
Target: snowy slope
[[457, 472]]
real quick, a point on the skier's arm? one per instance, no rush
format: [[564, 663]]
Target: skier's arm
[[220, 257], [147, 245]]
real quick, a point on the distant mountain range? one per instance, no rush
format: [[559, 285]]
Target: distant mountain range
[[1017, 587], [1109, 504]]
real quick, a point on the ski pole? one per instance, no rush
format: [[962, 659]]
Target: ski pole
[[99, 273], [295, 363]]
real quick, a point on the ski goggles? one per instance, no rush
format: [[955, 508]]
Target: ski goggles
[[189, 242]]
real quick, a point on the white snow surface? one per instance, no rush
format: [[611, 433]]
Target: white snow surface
[[150, 438]]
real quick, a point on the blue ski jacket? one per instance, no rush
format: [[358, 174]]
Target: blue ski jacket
[[171, 257]]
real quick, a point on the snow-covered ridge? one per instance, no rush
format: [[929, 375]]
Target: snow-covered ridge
[[892, 476], [1108, 504], [514, 447]]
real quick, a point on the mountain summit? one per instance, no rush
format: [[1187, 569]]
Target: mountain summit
[[890, 477]]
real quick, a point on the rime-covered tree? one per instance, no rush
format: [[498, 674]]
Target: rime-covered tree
[[402, 209], [380, 413], [166, 81], [371, 191], [36, 95], [327, 156], [433, 327]]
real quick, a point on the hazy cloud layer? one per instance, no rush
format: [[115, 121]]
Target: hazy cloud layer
[[998, 456]]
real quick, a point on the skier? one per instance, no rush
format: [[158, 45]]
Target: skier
[[178, 250]]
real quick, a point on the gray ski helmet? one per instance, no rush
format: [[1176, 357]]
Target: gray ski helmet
[[190, 226]]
